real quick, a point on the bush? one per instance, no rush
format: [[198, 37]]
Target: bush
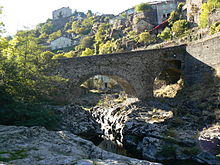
[[145, 37], [21, 114], [215, 28], [180, 27], [143, 7], [88, 52], [165, 34], [206, 9], [108, 47]]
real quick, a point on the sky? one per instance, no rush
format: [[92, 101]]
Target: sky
[[18, 14]]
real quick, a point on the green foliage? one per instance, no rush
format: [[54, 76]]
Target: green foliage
[[143, 7], [87, 42], [69, 54], [132, 35], [87, 52], [46, 28], [24, 81], [103, 30], [176, 15], [215, 28], [145, 37], [207, 8], [180, 27], [165, 34], [82, 27], [108, 47], [89, 13], [54, 36]]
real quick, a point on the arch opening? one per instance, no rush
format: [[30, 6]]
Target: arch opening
[[169, 81], [106, 83]]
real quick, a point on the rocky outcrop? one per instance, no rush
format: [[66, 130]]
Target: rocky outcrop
[[37, 146], [210, 139], [152, 131], [78, 121]]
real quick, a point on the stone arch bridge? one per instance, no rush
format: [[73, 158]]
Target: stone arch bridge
[[134, 71]]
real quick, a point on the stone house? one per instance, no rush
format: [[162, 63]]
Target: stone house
[[61, 42], [163, 9], [62, 13], [141, 26]]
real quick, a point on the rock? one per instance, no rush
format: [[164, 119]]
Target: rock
[[78, 121], [150, 130], [210, 139], [37, 146], [207, 158]]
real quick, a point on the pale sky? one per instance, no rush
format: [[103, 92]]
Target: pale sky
[[29, 13], [18, 14]]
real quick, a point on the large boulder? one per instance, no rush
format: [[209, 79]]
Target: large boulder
[[38, 146]]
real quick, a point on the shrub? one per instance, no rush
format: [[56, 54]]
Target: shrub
[[108, 47], [165, 34], [206, 9], [180, 27], [87, 42], [143, 7], [87, 52], [145, 37], [215, 28]]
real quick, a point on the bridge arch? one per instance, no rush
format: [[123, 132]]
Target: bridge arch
[[123, 82]]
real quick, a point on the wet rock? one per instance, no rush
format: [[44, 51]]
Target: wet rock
[[37, 146]]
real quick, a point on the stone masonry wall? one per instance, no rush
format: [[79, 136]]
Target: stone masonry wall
[[202, 59]]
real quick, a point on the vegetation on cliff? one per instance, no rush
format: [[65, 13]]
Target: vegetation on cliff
[[207, 8]]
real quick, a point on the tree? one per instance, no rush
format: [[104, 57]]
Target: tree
[[145, 37], [143, 7], [180, 27], [23, 78], [165, 34], [87, 42], [176, 15], [108, 47], [54, 36], [89, 13], [102, 32]]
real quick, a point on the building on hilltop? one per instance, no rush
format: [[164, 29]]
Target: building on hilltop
[[160, 11], [62, 13], [164, 8]]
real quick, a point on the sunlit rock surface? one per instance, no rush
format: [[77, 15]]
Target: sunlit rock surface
[[37, 146]]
